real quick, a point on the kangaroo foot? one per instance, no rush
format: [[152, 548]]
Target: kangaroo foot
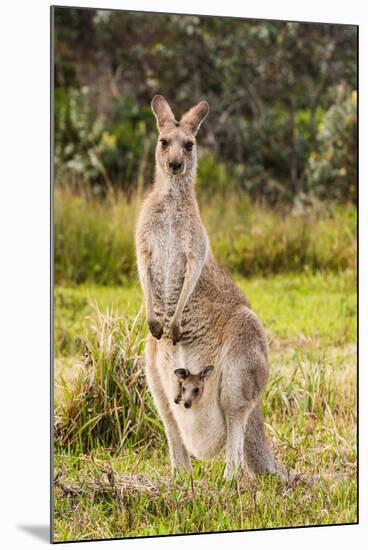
[[233, 472]]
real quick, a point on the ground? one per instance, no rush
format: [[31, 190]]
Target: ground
[[309, 408]]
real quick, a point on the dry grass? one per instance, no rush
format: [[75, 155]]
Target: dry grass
[[94, 240]]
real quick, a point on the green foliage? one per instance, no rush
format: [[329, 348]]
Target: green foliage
[[332, 169], [89, 153], [78, 137], [128, 153], [215, 177], [275, 299], [268, 84]]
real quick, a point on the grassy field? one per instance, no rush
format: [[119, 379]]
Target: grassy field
[[94, 240], [111, 462]]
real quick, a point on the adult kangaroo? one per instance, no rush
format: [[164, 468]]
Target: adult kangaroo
[[197, 316]]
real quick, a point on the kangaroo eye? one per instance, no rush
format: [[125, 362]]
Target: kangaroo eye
[[188, 146], [183, 389], [196, 390], [164, 143]]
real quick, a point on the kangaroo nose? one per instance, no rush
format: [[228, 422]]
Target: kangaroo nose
[[187, 404], [175, 166]]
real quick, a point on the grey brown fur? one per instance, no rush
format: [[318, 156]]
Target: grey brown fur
[[196, 316]]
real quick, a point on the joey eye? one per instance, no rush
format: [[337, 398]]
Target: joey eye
[[196, 391], [164, 143], [188, 146], [183, 389]]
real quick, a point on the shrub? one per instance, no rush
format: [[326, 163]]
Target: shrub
[[215, 177], [91, 152], [109, 405], [78, 138], [332, 169]]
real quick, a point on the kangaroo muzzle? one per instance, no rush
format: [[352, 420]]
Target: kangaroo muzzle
[[175, 166]]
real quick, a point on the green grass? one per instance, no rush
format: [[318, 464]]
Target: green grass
[[309, 408], [302, 307], [290, 306], [103, 510]]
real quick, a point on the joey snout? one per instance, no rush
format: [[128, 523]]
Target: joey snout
[[192, 395]]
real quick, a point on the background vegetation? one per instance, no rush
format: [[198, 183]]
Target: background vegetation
[[94, 239], [282, 99], [277, 187]]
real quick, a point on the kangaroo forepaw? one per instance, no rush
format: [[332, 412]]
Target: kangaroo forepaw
[[155, 327], [176, 333]]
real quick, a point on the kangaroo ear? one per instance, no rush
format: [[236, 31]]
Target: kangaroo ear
[[162, 111], [195, 116], [206, 372], [181, 374]]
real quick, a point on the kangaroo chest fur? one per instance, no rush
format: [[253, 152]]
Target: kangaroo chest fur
[[202, 428], [167, 237]]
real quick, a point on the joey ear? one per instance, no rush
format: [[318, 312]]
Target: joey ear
[[181, 374], [195, 116], [162, 111], [206, 372]]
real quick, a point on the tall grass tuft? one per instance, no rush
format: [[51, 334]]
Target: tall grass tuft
[[94, 239], [108, 405], [256, 240]]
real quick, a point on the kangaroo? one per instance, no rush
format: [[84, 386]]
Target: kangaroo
[[196, 315], [190, 385]]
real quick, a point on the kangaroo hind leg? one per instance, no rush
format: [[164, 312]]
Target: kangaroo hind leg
[[179, 456], [244, 375], [236, 421], [258, 453]]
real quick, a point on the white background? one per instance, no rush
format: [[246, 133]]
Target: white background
[[24, 253]]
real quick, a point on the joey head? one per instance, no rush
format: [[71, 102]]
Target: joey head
[[191, 385]]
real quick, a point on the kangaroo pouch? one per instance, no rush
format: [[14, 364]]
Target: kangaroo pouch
[[202, 429]]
